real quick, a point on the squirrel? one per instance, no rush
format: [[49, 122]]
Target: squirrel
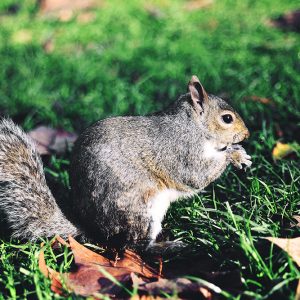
[[125, 171]]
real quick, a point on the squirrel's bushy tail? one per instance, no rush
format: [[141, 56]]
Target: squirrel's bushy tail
[[26, 202]]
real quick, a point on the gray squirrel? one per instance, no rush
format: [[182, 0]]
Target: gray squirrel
[[125, 171]]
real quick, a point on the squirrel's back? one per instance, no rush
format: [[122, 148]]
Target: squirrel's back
[[28, 206]]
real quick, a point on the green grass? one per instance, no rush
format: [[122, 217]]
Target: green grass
[[131, 61]]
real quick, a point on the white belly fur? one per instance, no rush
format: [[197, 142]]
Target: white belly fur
[[211, 152], [159, 205]]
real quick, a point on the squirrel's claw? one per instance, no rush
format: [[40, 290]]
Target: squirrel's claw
[[239, 157], [166, 248]]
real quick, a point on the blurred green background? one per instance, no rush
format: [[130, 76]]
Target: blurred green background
[[69, 63], [69, 66]]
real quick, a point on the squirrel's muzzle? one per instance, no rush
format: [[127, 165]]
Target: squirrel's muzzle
[[239, 137], [247, 134]]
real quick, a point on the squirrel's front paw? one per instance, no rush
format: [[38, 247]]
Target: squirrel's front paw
[[237, 156]]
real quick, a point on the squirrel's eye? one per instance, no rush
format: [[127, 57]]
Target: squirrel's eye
[[227, 118]]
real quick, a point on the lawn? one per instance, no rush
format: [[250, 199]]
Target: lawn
[[135, 57]]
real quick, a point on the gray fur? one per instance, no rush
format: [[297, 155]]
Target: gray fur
[[25, 200], [117, 161], [119, 164]]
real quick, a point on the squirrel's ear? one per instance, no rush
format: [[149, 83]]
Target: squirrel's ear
[[198, 93]]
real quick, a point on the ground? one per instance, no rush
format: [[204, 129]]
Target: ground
[[136, 57]]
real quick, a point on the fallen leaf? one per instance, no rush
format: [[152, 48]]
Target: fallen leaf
[[145, 297], [42, 263], [207, 294], [258, 99], [282, 150], [90, 279], [43, 137], [54, 276], [48, 6], [65, 15], [50, 140], [291, 246], [181, 286], [86, 17], [63, 141], [130, 261], [94, 272], [197, 4], [290, 21], [134, 262], [48, 45], [297, 219], [83, 255], [279, 131], [65, 10]]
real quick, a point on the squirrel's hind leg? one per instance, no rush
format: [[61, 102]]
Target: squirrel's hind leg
[[165, 248], [157, 208]]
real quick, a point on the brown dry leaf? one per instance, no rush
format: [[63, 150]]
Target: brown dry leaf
[[83, 255], [43, 137], [130, 261], [42, 263], [52, 140], [54, 276], [297, 219], [282, 150], [207, 294], [49, 6], [291, 246], [290, 20], [87, 279], [279, 131], [65, 15], [133, 262], [92, 278], [64, 10], [48, 45], [258, 99], [63, 141], [197, 4], [182, 286], [95, 272], [86, 17], [59, 240], [145, 297]]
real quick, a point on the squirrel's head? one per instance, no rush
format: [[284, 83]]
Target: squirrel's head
[[219, 120]]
